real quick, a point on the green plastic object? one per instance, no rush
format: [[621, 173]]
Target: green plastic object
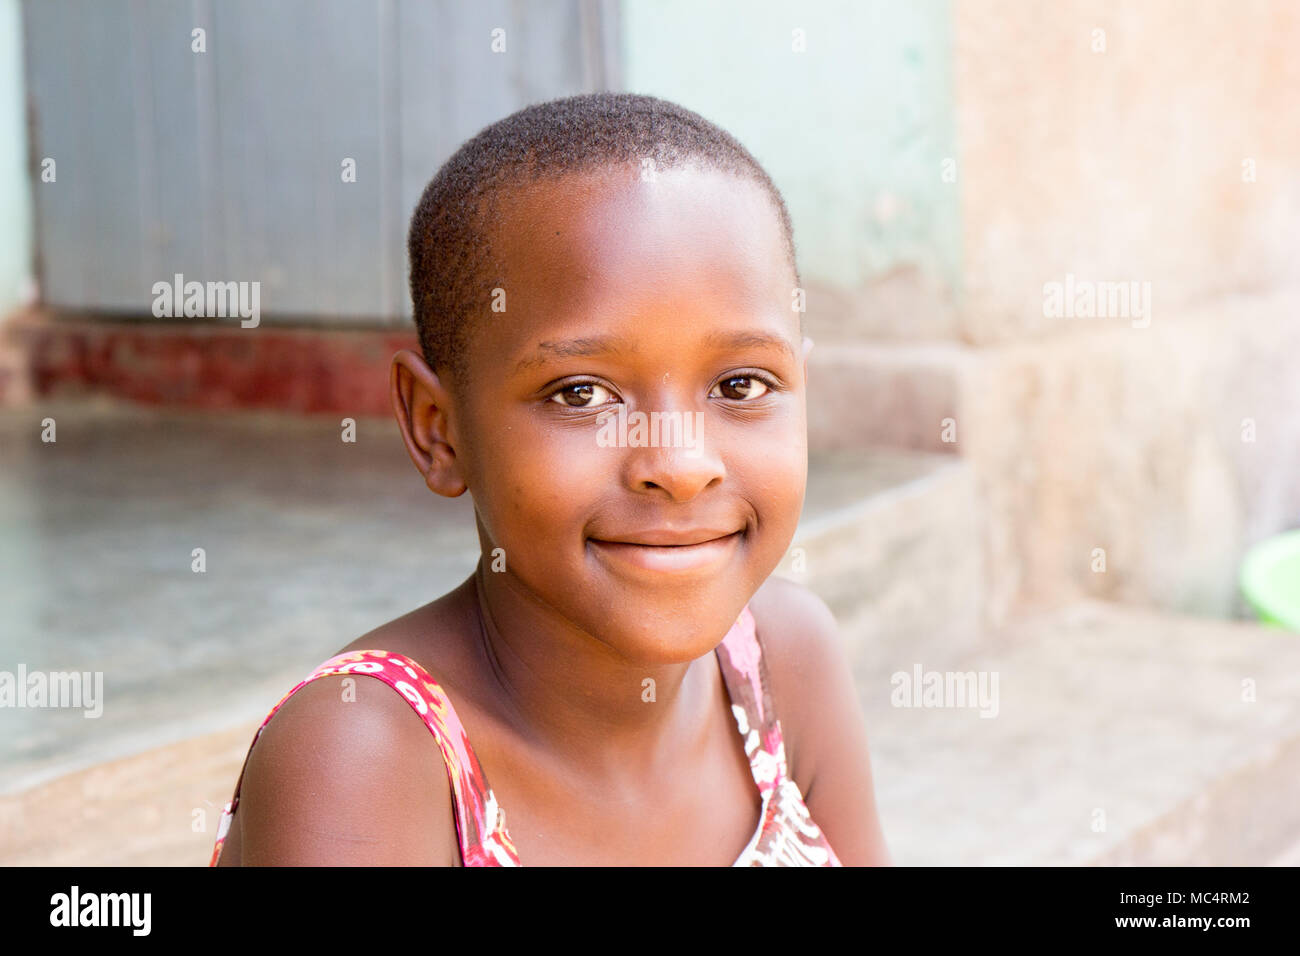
[[1270, 580]]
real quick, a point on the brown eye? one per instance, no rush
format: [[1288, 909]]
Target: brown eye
[[741, 387], [580, 395]]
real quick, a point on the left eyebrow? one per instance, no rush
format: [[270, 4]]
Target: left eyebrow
[[746, 340]]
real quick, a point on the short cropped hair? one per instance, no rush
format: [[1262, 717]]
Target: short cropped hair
[[453, 268]]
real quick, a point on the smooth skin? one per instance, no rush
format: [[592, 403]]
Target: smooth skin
[[671, 295]]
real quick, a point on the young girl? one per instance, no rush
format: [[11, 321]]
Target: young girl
[[612, 366]]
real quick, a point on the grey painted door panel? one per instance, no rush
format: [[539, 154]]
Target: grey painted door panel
[[227, 164]]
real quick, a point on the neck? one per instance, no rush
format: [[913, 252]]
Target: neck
[[574, 696]]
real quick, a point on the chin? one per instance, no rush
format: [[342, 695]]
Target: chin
[[669, 630]]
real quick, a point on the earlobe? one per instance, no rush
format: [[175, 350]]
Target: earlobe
[[421, 406]]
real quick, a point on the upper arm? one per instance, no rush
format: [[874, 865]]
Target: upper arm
[[815, 699], [338, 781]]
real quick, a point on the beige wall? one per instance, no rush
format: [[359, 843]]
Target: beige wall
[[1127, 164], [1124, 164]]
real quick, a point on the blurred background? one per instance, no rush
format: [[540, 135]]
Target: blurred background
[[1085, 508]]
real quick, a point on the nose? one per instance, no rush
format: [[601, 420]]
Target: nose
[[671, 455]]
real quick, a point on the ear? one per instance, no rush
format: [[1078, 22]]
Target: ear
[[422, 405]]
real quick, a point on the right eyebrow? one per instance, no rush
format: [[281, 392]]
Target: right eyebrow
[[586, 346]]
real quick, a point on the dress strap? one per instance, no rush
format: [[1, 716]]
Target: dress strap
[[744, 670], [480, 821]]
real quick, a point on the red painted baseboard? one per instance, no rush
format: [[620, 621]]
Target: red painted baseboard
[[187, 364]]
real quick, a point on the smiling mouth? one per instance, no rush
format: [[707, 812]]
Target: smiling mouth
[[696, 556]]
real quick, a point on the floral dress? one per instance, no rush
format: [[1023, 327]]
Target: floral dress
[[786, 834]]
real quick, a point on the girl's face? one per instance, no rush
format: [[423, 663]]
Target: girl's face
[[672, 298]]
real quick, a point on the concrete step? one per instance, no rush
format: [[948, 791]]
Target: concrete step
[[1288, 857], [96, 565], [1122, 736], [100, 527], [1173, 449], [156, 808], [898, 395], [891, 541]]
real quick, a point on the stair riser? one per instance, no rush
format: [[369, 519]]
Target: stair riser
[[903, 575]]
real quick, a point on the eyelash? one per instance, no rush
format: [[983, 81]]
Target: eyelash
[[767, 380]]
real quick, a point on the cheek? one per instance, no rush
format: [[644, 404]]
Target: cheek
[[782, 481], [778, 478], [773, 455], [539, 486]]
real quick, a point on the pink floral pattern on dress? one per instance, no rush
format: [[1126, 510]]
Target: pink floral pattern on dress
[[480, 822], [786, 834]]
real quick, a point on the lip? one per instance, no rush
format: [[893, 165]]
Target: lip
[[668, 537], [670, 551]]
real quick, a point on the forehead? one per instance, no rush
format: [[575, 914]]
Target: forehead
[[687, 232]]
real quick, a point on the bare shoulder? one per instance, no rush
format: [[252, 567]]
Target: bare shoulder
[[346, 774], [801, 644], [816, 700]]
